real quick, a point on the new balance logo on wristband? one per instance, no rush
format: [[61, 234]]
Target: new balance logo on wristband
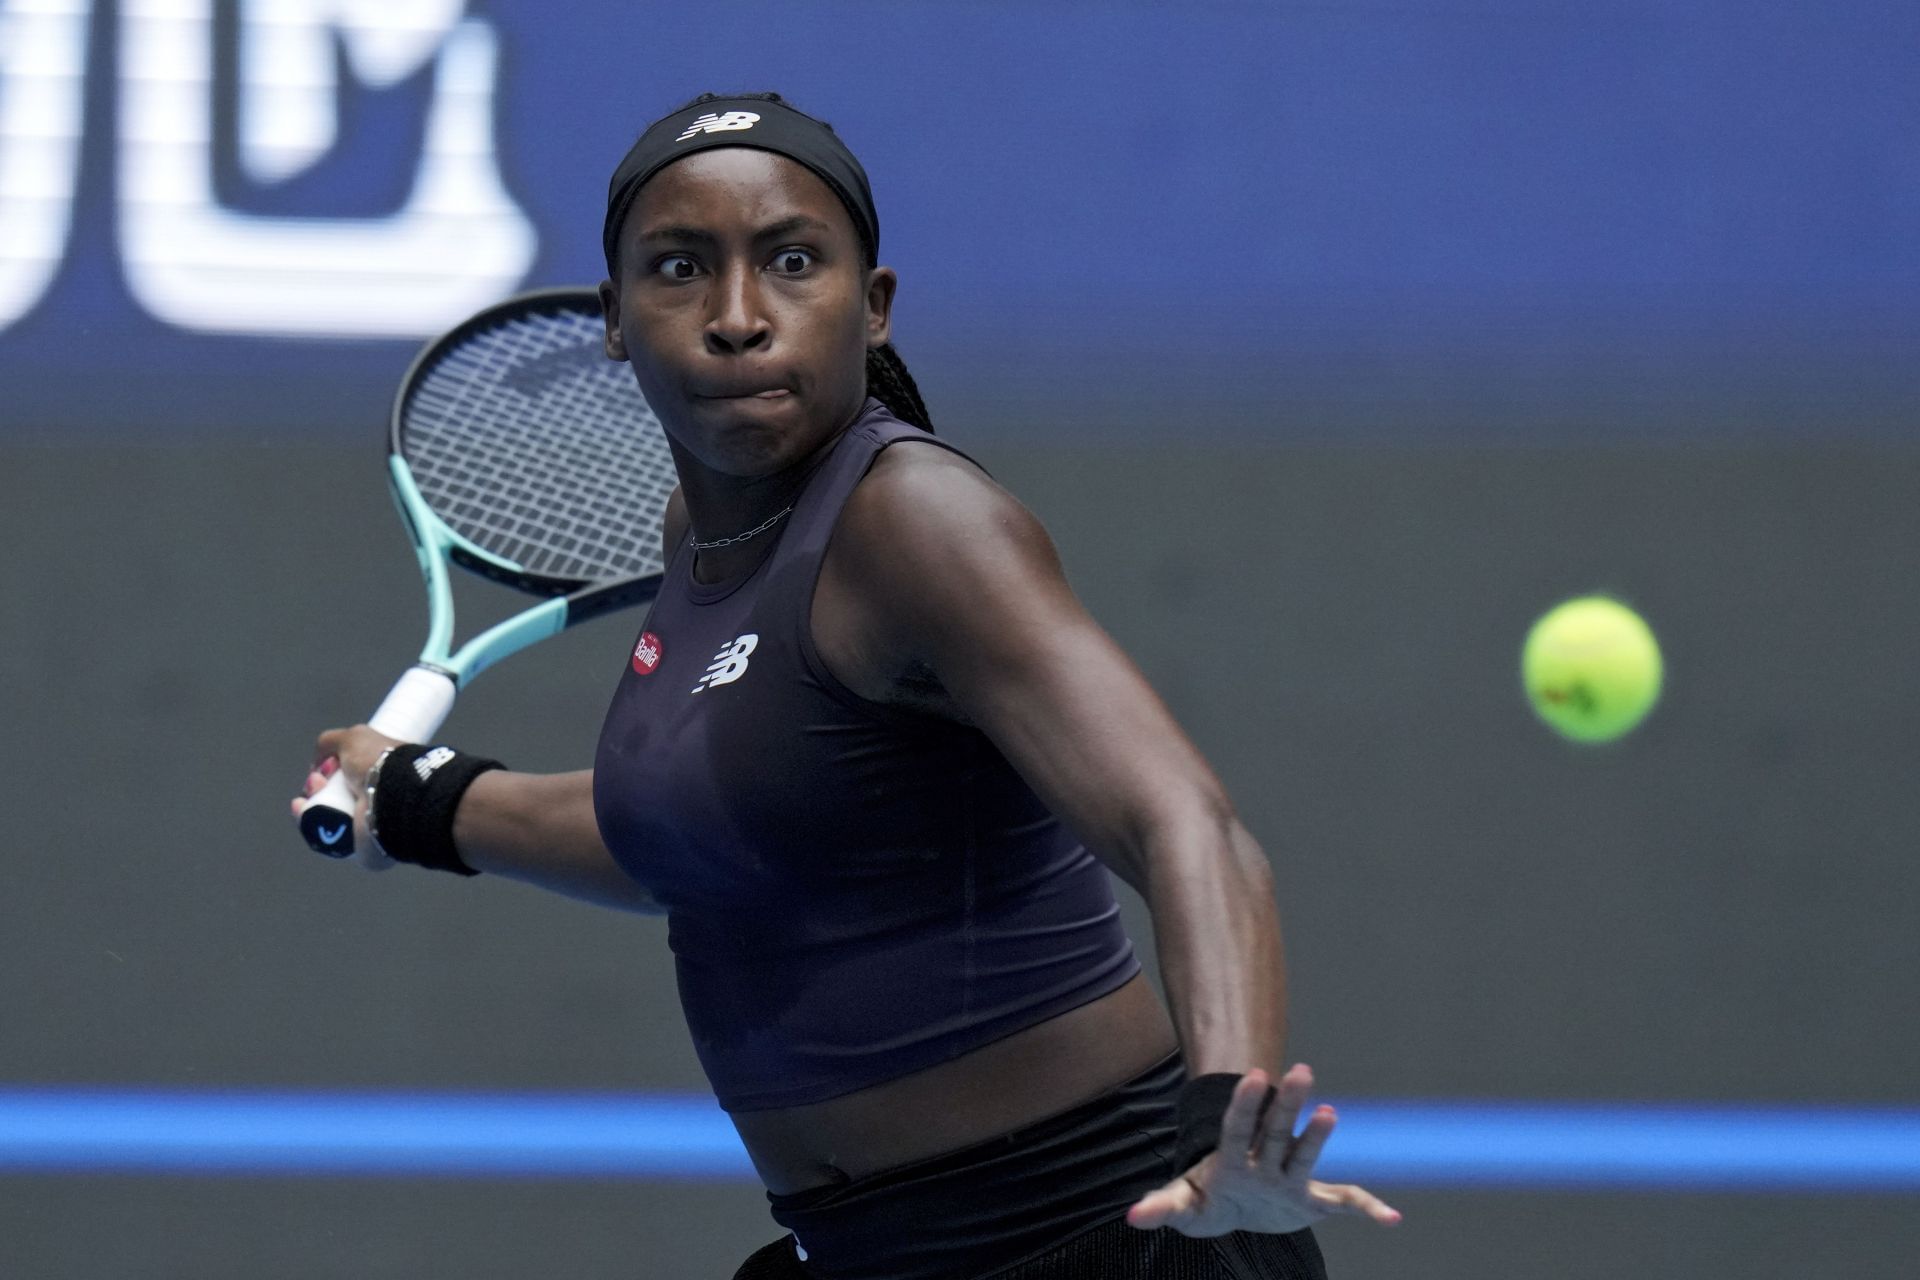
[[711, 123], [730, 663], [426, 764]]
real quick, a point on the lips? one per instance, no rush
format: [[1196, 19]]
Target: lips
[[751, 391]]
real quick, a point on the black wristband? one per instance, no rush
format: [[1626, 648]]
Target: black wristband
[[418, 790], [1203, 1103]]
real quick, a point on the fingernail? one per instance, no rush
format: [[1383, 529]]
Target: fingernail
[[329, 766]]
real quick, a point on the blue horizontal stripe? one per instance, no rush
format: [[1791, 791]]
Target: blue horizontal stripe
[[1648, 1146], [1402, 1144], [368, 1134]]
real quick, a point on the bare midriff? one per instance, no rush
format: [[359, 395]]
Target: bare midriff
[[1023, 1078]]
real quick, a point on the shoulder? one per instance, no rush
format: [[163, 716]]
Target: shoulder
[[928, 553], [923, 506], [941, 592]]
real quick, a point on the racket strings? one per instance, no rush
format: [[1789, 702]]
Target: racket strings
[[525, 439]]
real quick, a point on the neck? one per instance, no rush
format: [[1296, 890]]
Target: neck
[[721, 506]]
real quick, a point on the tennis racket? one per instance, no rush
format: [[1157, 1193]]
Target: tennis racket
[[519, 451]]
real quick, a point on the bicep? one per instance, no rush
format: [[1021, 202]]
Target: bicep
[[1074, 715], [970, 584]]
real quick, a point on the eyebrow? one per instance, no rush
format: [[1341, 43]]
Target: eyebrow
[[772, 231]]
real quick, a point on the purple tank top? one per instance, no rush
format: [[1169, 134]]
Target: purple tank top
[[853, 892]]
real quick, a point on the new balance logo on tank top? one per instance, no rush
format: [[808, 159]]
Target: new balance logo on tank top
[[853, 892], [730, 663]]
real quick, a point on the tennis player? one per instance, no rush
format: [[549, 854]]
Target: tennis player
[[874, 761]]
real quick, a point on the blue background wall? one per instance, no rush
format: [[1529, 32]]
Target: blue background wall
[[1333, 343], [1440, 220]]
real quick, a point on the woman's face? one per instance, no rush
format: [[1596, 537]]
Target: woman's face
[[745, 308]]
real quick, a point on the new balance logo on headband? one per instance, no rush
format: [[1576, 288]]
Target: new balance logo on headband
[[711, 123]]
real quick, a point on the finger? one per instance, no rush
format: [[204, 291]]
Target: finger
[[1349, 1199], [1306, 1149], [1240, 1126], [310, 786], [327, 745], [1289, 1096], [1176, 1201]]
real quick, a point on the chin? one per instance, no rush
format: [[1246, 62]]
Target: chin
[[753, 440]]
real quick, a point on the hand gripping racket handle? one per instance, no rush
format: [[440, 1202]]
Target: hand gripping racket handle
[[412, 711]]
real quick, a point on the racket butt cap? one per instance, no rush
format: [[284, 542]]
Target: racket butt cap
[[326, 824]]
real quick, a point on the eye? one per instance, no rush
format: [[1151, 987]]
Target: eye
[[791, 262], [677, 266]]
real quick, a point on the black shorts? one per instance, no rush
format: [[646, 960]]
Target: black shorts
[[1047, 1202]]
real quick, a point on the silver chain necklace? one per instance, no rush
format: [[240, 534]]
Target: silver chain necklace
[[754, 532]]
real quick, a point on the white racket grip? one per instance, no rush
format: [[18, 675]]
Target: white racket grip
[[413, 710], [416, 706]]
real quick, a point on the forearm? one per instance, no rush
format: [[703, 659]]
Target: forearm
[[1217, 931], [539, 829]]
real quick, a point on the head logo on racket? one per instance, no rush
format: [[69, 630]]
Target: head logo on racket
[[646, 654]]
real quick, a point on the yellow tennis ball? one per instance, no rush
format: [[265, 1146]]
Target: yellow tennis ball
[[1591, 668]]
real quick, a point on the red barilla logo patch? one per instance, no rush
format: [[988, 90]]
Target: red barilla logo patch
[[646, 654]]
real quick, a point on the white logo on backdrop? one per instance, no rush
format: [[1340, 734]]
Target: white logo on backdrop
[[458, 242], [43, 61]]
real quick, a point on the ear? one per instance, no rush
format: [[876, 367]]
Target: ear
[[881, 283], [610, 312]]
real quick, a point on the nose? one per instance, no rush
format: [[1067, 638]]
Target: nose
[[739, 320]]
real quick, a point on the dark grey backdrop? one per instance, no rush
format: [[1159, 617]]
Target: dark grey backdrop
[[1721, 907]]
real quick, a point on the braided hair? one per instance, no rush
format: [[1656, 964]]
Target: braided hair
[[887, 378]]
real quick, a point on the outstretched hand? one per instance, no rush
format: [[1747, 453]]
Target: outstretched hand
[[1260, 1177]]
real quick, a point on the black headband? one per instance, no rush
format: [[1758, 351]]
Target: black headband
[[742, 122]]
